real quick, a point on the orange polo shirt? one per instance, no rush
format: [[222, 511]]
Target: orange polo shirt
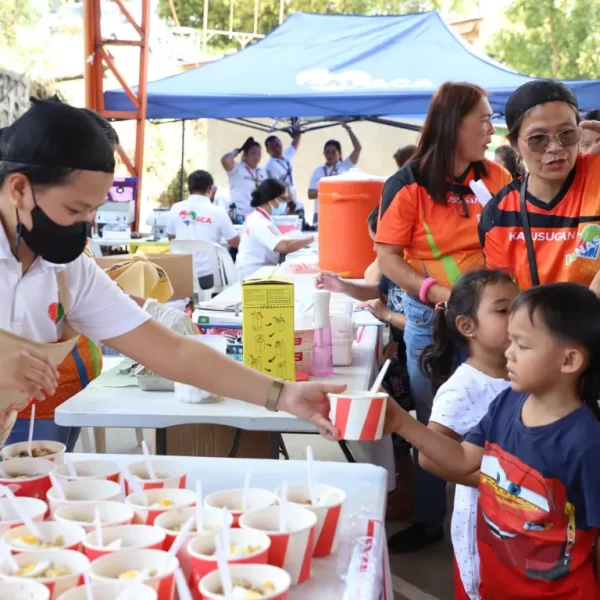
[[565, 231], [439, 240]]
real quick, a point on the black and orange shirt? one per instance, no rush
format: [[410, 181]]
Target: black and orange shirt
[[565, 231], [439, 240]]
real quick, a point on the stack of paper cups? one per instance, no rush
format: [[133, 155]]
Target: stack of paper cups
[[359, 416]]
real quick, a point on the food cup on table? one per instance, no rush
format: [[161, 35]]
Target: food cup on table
[[246, 546], [155, 568], [21, 589], [156, 502], [232, 501], [111, 591], [83, 514], [52, 451], [358, 415], [292, 549], [27, 477], [169, 474], [35, 509], [90, 469], [92, 490], [58, 570], [55, 535], [268, 582], [123, 537], [328, 511]]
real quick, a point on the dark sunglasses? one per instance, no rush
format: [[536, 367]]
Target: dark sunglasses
[[539, 142]]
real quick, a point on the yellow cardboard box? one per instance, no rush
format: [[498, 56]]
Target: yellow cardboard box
[[268, 325]]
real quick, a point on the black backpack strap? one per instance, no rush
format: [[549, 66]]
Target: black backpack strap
[[535, 279]]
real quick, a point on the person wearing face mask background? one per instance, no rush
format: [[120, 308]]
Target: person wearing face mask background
[[261, 242], [56, 167]]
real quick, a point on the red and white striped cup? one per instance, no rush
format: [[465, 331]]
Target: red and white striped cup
[[84, 513], [92, 490], [158, 502], [21, 539], [34, 508], [291, 550], [169, 474], [232, 501], [132, 537], [211, 588], [202, 551], [328, 511], [91, 469], [140, 562], [358, 415], [37, 481], [111, 591], [76, 562], [21, 589], [56, 448]]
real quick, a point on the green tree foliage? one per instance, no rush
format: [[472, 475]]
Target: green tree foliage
[[551, 38], [14, 13], [190, 12]]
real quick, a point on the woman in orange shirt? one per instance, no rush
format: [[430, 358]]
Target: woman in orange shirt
[[427, 237]]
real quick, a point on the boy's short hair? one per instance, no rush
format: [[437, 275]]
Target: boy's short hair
[[373, 219]]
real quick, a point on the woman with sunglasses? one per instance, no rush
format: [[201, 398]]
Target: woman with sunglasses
[[545, 226], [427, 237]]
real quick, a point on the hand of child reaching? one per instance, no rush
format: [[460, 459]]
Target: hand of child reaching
[[330, 282], [378, 309]]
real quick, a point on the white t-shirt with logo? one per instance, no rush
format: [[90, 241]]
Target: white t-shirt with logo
[[342, 166], [197, 218], [460, 404], [242, 182], [257, 244], [283, 169]]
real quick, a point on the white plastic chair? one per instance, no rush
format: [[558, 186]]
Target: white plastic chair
[[208, 248], [227, 271]]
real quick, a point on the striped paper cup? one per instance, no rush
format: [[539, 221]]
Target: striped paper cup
[[327, 510], [35, 509], [63, 536], [358, 415], [169, 474], [21, 589], [157, 502], [112, 591], [28, 477], [91, 469], [83, 514], [82, 491], [232, 501], [127, 537], [292, 549], [257, 575], [47, 449]]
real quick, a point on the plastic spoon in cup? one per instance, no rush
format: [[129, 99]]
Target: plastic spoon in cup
[[148, 460], [312, 481], [136, 487], [223, 565], [377, 384], [7, 558], [27, 520], [246, 491], [98, 526], [181, 537], [199, 507], [56, 484], [89, 590], [225, 529], [183, 591], [283, 506], [70, 466], [31, 426]]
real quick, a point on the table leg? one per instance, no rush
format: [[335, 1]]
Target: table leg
[[100, 440], [161, 441], [349, 457], [274, 442]]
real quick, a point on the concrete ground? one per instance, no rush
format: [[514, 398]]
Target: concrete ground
[[426, 575]]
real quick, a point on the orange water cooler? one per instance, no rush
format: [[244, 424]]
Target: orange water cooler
[[345, 202]]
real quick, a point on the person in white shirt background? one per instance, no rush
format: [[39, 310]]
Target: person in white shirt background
[[197, 218], [261, 242], [335, 164], [280, 165], [244, 176], [56, 167]]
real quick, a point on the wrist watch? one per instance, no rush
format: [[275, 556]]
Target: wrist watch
[[274, 395]]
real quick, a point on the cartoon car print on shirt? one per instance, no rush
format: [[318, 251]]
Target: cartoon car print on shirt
[[525, 518]]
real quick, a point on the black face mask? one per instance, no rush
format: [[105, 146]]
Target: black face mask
[[58, 244]]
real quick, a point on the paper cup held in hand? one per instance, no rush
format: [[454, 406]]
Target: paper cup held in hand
[[257, 575], [74, 562], [292, 549], [93, 490], [158, 502], [232, 501], [83, 514], [9, 519], [21, 589], [328, 511], [156, 568], [128, 537], [169, 474], [28, 477], [91, 469], [112, 591], [47, 449], [358, 415], [62, 536]]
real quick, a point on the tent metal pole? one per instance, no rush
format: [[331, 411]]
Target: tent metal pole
[[391, 123], [181, 172]]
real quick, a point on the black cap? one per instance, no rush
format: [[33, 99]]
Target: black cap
[[534, 93]]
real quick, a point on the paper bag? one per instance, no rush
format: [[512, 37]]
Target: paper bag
[[139, 277]]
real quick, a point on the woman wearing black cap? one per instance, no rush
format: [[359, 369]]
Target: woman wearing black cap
[[545, 226], [56, 167]]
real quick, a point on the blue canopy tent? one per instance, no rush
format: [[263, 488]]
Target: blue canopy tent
[[336, 66]]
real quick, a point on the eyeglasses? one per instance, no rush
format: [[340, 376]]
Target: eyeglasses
[[539, 142]]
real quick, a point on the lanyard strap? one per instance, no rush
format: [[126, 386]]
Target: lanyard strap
[[334, 170], [535, 278], [286, 164], [264, 213], [254, 175]]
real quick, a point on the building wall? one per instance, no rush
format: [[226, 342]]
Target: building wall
[[14, 96]]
